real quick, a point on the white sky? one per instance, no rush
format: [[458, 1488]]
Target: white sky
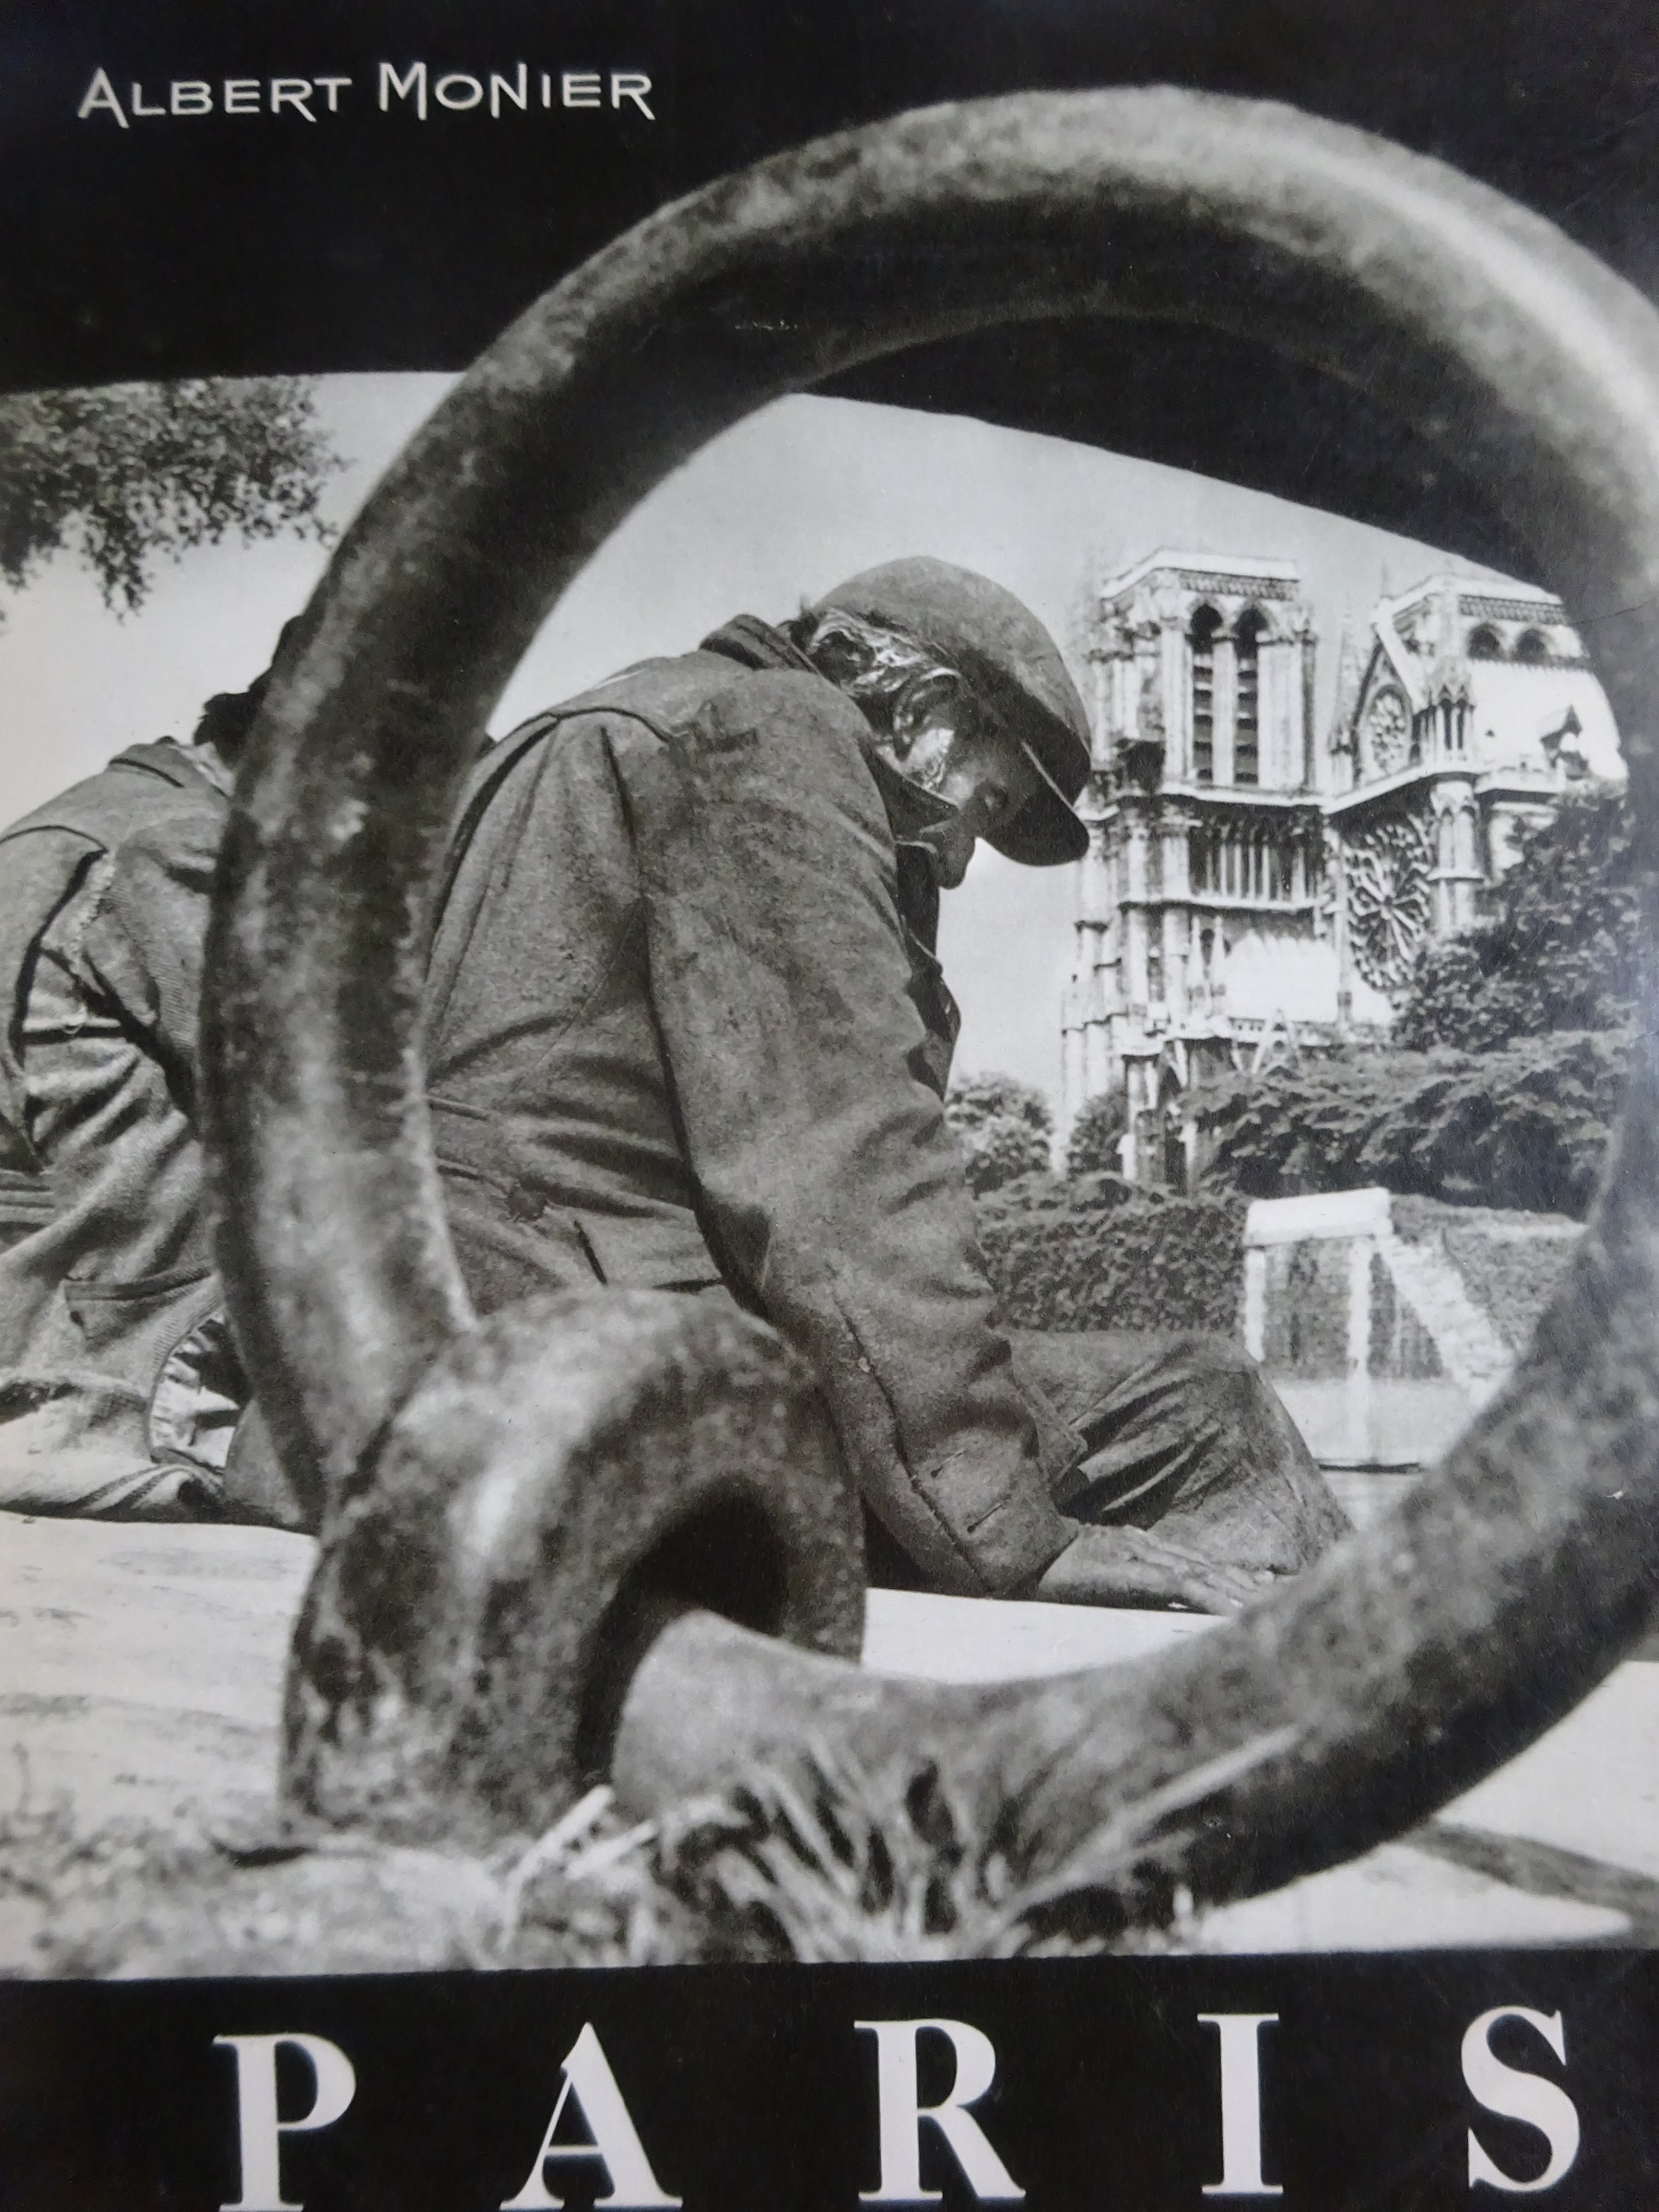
[[774, 511]]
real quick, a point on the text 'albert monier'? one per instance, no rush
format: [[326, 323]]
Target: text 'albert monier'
[[412, 90]]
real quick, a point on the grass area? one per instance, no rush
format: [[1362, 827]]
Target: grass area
[[828, 1864]]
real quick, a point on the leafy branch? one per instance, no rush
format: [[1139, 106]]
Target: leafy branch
[[125, 475]]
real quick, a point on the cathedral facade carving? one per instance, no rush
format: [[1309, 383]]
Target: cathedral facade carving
[[1250, 883]]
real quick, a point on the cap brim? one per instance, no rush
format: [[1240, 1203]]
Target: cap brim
[[1047, 831]]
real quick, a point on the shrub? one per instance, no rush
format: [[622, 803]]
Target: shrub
[[1523, 1127], [1003, 1127]]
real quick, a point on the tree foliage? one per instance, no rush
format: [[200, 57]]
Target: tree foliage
[[1525, 1126], [1505, 1071], [1558, 947], [1092, 1147], [126, 475], [1003, 1127]]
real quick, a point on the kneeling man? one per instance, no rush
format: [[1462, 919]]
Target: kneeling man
[[686, 1030]]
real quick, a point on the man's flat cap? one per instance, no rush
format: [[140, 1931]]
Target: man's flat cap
[[1001, 650]]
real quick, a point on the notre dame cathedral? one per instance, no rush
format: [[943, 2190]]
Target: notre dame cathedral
[[1254, 884]]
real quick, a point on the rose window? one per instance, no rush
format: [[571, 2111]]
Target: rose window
[[1387, 733], [1389, 899]]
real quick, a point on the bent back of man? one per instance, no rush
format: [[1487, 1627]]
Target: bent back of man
[[686, 1030], [121, 1393]]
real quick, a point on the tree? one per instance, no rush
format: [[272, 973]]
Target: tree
[[1525, 1126], [1558, 949], [125, 474], [1092, 1147], [1503, 1077], [1003, 1127]]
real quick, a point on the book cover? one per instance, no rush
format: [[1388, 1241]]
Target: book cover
[[825, 1218]]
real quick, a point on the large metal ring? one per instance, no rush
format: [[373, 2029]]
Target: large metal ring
[[563, 1480], [1422, 1652]]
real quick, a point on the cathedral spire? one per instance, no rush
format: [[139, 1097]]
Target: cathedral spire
[[1348, 680], [1449, 677], [1450, 637]]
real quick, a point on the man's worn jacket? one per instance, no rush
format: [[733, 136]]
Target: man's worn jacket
[[684, 1028], [103, 906]]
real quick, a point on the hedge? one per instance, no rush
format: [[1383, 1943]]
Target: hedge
[[1514, 1264], [1093, 1253]]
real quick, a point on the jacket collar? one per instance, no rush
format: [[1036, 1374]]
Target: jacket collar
[[756, 644], [181, 765]]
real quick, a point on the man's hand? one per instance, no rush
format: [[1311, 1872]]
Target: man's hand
[[1134, 1567]]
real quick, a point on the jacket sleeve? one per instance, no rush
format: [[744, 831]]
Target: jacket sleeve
[[828, 1181]]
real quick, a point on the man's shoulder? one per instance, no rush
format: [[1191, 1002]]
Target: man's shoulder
[[140, 795], [671, 695], [148, 825], [787, 723], [793, 721]]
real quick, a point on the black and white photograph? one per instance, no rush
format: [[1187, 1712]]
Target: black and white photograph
[[829, 1141]]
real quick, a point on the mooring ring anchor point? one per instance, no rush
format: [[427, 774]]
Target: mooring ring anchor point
[[1426, 1651], [564, 1481]]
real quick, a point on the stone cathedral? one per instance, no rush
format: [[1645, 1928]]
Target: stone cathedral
[[1254, 882]]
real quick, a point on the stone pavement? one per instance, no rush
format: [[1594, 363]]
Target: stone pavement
[[1561, 1846], [141, 1672]]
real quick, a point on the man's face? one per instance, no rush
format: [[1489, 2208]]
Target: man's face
[[943, 740]]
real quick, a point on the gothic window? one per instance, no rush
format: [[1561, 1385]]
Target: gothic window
[[1533, 647], [1174, 1163], [1386, 724], [1247, 728], [1278, 878], [1261, 862], [1201, 638], [1484, 643]]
